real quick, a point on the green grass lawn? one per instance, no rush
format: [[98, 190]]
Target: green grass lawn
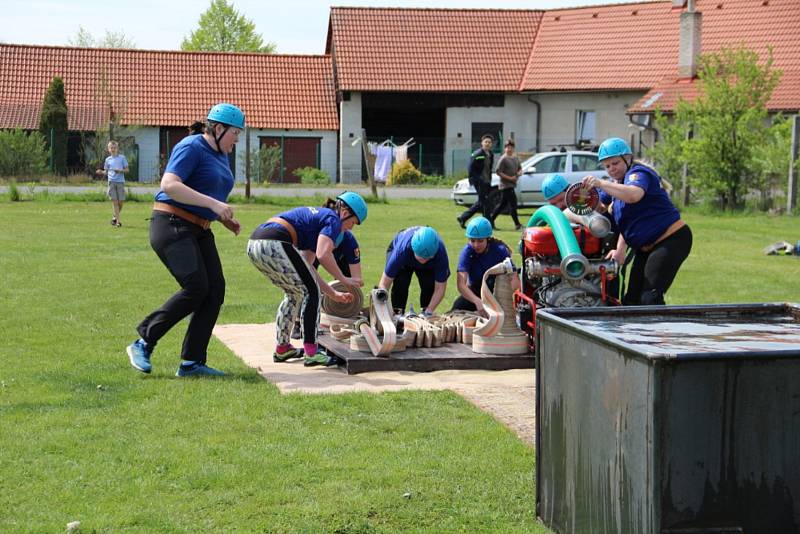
[[84, 437]]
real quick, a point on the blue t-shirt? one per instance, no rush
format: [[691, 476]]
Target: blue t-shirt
[[348, 249], [309, 223], [402, 256], [641, 223], [475, 265], [114, 166], [201, 168]]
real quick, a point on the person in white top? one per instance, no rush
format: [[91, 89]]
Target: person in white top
[[114, 168]]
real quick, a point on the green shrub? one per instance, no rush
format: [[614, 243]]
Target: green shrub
[[312, 175], [13, 192], [23, 153], [404, 173]]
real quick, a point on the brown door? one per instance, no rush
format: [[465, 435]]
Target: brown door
[[297, 152]]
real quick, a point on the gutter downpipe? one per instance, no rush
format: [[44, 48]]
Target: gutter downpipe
[[538, 119], [574, 264]]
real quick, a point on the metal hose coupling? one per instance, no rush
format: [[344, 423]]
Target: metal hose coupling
[[598, 225], [574, 266]]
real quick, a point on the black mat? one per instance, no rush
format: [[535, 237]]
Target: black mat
[[448, 356]]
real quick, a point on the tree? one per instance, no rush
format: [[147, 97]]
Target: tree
[[772, 161], [53, 124], [85, 39], [667, 154], [223, 29], [729, 120]]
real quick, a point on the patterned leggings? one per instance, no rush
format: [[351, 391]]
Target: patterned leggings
[[286, 268]]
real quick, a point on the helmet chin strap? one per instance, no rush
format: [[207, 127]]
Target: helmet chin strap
[[217, 138]]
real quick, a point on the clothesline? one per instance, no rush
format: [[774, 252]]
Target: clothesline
[[385, 154]]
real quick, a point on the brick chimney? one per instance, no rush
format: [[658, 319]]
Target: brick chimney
[[689, 47]]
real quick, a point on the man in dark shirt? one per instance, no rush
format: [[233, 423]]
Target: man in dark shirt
[[480, 177]]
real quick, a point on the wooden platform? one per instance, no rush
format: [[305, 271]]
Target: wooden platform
[[448, 356]]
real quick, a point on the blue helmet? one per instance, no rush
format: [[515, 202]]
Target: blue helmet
[[554, 185], [355, 204], [229, 114], [479, 228], [611, 147], [425, 242]]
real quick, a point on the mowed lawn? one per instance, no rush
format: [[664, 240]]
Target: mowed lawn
[[84, 437]]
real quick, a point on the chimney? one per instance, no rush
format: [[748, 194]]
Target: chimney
[[689, 47]]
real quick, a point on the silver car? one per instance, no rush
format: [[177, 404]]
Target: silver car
[[572, 165]]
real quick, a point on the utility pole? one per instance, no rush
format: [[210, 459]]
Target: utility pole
[[791, 190], [247, 163]]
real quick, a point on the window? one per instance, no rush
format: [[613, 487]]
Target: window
[[555, 163], [585, 128], [479, 129], [585, 163]]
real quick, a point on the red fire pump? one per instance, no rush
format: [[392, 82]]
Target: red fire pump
[[563, 263]]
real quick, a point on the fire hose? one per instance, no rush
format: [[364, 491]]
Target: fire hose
[[496, 335]]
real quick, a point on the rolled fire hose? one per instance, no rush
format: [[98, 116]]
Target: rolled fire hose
[[341, 313], [499, 333], [380, 313], [573, 263]]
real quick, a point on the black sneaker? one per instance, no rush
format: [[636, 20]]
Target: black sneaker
[[461, 222]]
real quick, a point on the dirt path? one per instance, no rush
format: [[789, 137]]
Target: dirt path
[[507, 395]]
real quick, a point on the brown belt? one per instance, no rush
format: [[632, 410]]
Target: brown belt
[[289, 228], [205, 224], [674, 227]]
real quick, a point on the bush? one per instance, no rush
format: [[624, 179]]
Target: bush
[[404, 173], [312, 175], [23, 153]]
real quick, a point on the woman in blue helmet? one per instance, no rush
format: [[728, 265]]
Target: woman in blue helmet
[[647, 220], [194, 192], [480, 254], [348, 258], [284, 249], [417, 250]]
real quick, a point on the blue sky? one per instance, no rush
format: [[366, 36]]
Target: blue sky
[[295, 26]]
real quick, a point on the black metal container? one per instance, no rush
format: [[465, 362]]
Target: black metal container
[[669, 419]]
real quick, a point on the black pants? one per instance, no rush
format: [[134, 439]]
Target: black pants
[[652, 273], [190, 254], [482, 204], [402, 282], [508, 198], [461, 303]]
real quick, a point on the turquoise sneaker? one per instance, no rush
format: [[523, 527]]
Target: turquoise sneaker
[[197, 369], [320, 358], [139, 355], [280, 357]]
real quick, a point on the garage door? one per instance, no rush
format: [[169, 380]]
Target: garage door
[[297, 152]]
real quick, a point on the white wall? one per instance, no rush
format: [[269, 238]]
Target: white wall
[[518, 117], [147, 139], [350, 130], [559, 116], [558, 122]]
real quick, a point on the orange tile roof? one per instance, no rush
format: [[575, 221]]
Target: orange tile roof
[[635, 46], [430, 50], [168, 88]]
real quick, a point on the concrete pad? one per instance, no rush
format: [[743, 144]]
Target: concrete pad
[[508, 395]]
